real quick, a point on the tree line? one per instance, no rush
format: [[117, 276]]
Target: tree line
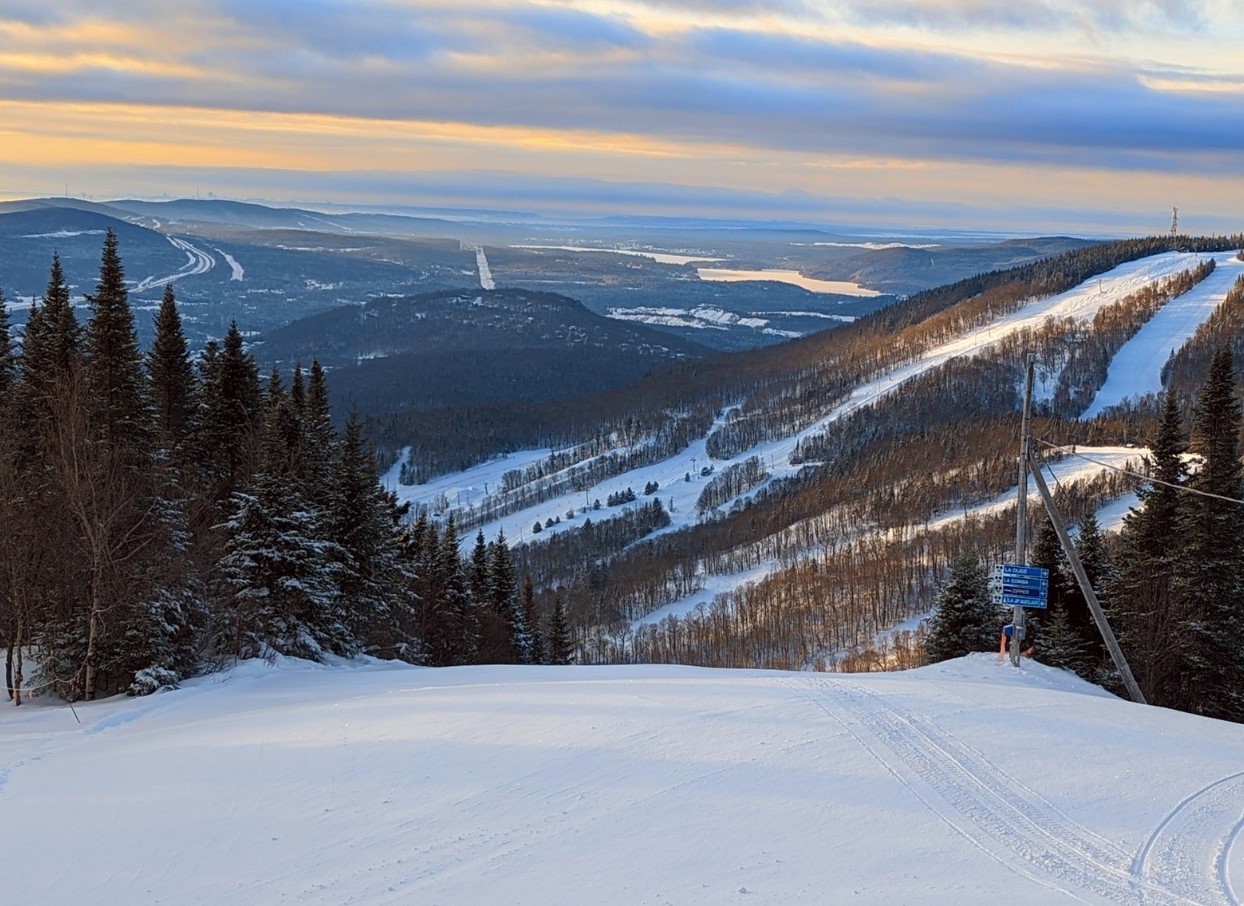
[[162, 513]]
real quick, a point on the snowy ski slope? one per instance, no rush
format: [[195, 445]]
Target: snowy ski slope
[[967, 782]]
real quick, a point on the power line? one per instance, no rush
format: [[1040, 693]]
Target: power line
[[1150, 478]]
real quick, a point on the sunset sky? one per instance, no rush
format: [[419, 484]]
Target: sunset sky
[[1046, 115]]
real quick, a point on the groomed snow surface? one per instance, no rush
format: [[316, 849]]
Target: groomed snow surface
[[967, 782]]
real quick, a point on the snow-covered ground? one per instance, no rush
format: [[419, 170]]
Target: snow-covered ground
[[967, 782], [702, 318], [485, 272], [1137, 368], [237, 272]]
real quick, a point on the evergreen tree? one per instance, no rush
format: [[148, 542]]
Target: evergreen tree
[[116, 384], [173, 384], [421, 546], [1141, 600], [1091, 549], [232, 413], [453, 633], [298, 391], [1062, 645], [1210, 571], [319, 442], [561, 644], [61, 329], [479, 572], [531, 611], [1047, 553], [51, 350], [505, 603], [282, 437], [8, 362], [965, 619], [280, 574], [364, 524]]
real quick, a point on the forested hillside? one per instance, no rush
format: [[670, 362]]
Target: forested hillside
[[817, 559], [467, 347], [172, 509]]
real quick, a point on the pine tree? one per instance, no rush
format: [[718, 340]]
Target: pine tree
[[505, 603], [118, 392], [1209, 574], [531, 611], [1062, 645], [8, 362], [456, 639], [1091, 549], [173, 383], [965, 619], [1141, 601], [232, 413], [319, 442], [479, 573], [280, 573], [51, 351], [561, 644], [1047, 553], [363, 522]]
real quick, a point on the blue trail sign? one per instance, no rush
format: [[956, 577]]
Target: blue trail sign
[[1013, 585]]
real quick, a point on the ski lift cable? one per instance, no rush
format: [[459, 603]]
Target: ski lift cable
[[1105, 465]]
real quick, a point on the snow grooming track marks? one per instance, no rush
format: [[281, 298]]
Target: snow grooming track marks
[[197, 262], [987, 806], [1191, 846], [437, 858]]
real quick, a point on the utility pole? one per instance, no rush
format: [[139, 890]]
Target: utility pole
[[1021, 507]]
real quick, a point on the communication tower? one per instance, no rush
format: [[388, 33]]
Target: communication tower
[[1174, 228]]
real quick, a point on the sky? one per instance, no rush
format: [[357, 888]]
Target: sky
[[1047, 114]]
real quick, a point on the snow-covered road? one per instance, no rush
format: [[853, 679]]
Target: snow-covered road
[[197, 262]]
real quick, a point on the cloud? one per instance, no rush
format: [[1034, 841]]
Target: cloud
[[770, 85], [1099, 16], [561, 29]]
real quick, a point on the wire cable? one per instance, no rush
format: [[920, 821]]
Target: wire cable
[[1149, 478]]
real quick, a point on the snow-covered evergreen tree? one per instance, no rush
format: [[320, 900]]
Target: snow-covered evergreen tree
[[362, 521], [965, 620], [1141, 599], [1209, 574]]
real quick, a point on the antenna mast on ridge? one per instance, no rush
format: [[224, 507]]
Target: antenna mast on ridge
[[1174, 228]]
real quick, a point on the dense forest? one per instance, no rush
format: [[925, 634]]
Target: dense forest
[[163, 514]]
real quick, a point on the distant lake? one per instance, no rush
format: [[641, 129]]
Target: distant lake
[[841, 287]]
